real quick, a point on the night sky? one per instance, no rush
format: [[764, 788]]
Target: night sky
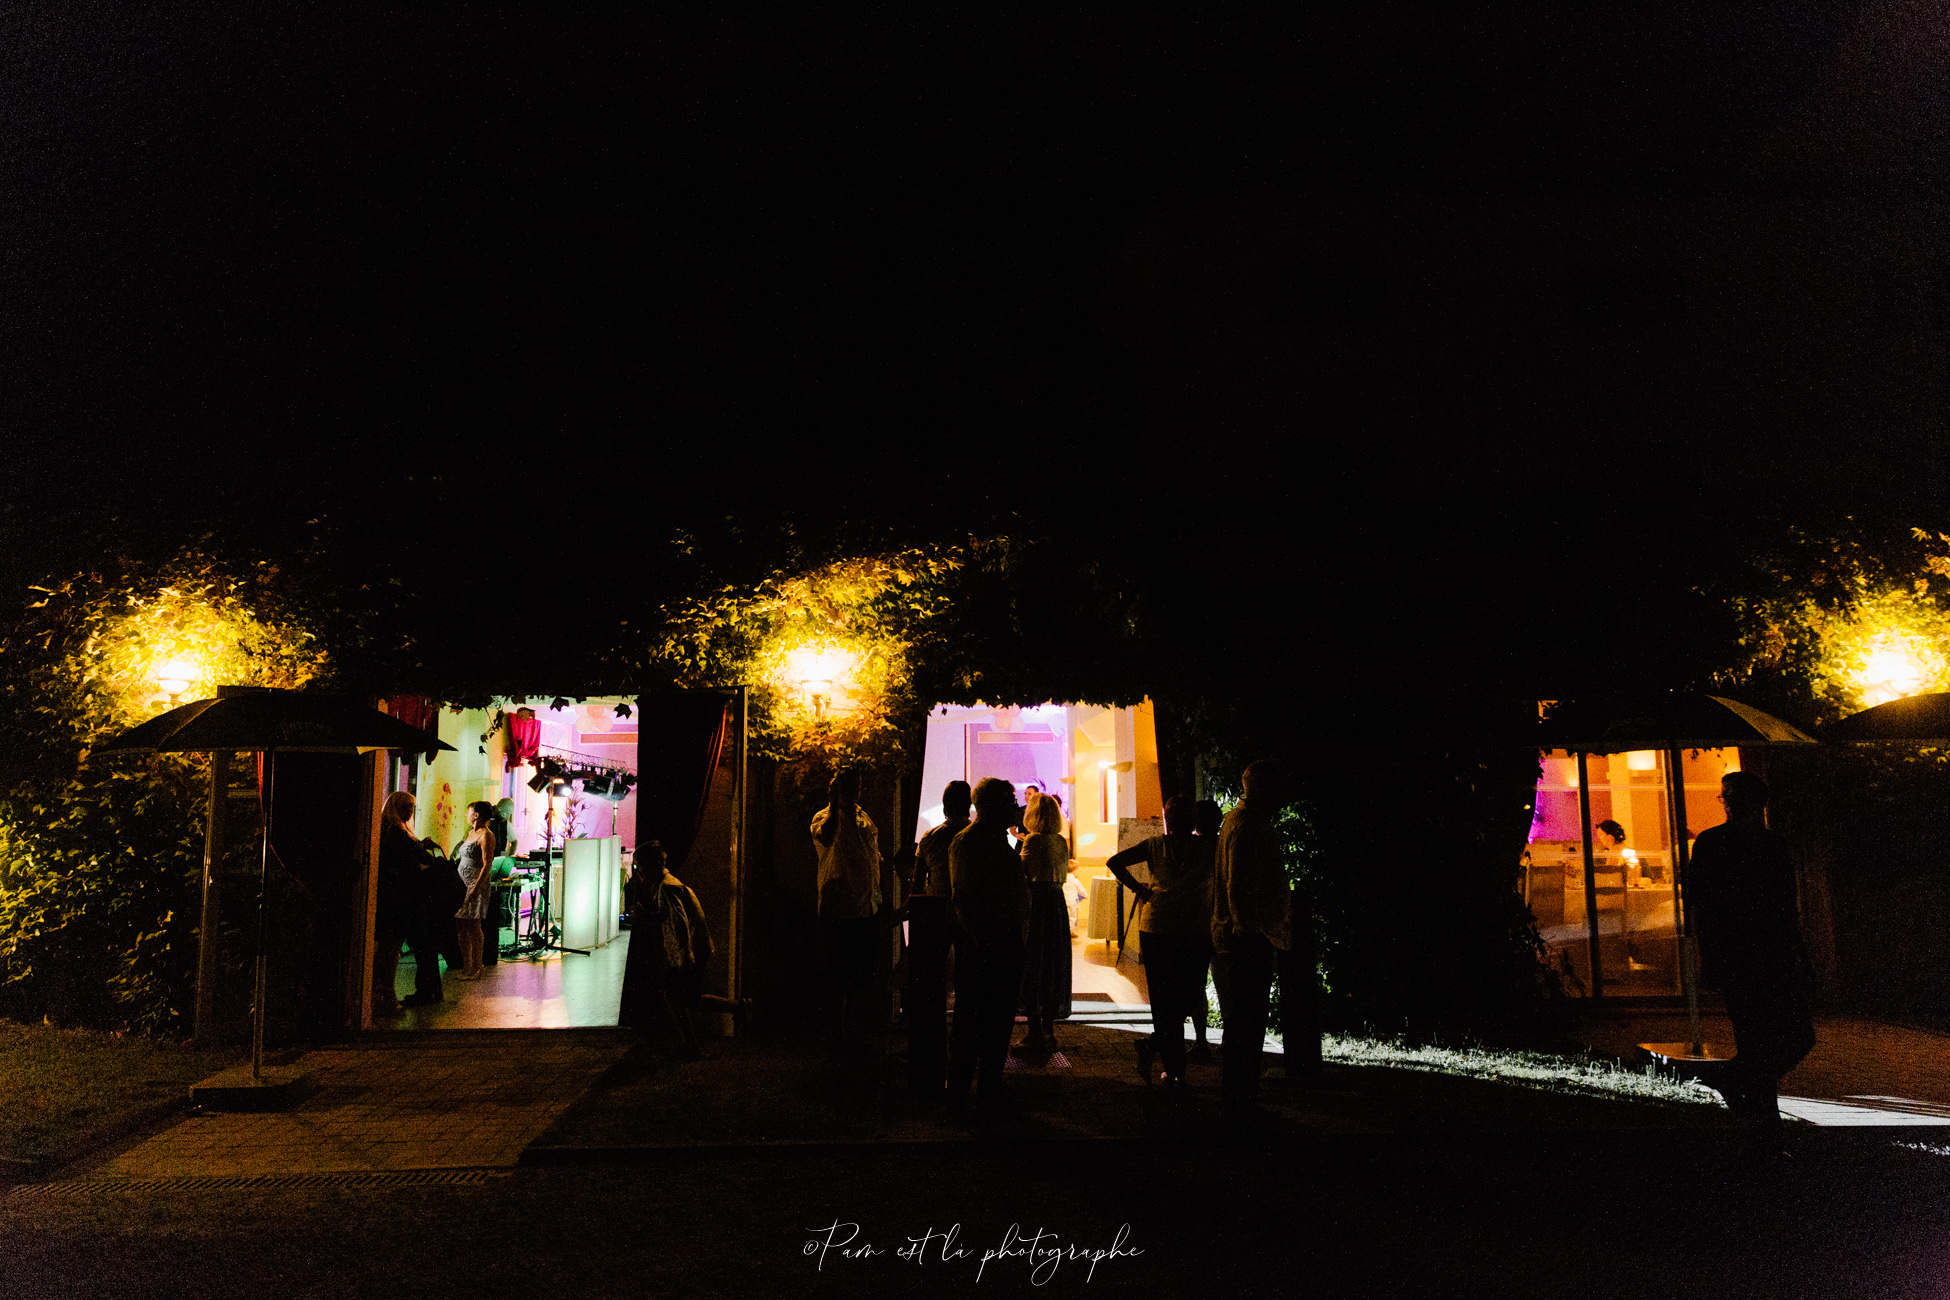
[[1459, 300]]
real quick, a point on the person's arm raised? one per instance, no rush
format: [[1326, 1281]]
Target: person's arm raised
[[1121, 862]]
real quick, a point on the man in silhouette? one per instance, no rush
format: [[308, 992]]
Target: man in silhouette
[[991, 899], [1252, 924], [848, 846], [1740, 891]]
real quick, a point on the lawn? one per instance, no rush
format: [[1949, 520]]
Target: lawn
[[62, 1090]]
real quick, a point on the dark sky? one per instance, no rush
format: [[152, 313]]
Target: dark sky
[[1360, 277]]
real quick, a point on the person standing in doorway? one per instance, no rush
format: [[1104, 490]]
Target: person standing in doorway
[[931, 875], [1740, 892], [398, 918], [849, 906], [1046, 960], [992, 905], [1252, 923], [476, 867], [1176, 935]]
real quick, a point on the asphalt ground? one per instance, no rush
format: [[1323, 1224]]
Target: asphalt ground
[[1619, 1213]]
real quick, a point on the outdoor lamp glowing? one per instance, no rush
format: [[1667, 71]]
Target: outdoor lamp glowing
[[1890, 672], [1643, 760], [175, 677]]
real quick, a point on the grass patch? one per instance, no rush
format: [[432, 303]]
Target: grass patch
[[1586, 1075], [61, 1090]]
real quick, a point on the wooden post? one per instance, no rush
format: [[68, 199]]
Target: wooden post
[[1590, 877], [363, 903], [739, 836], [204, 1021]]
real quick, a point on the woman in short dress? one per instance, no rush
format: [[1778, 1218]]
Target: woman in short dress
[[1046, 968], [476, 859]]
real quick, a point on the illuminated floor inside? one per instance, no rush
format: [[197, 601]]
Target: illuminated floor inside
[[1099, 967], [565, 991]]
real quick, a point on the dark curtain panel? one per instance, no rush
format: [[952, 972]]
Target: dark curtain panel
[[680, 740]]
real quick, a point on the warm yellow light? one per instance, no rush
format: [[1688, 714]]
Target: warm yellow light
[[1643, 760], [1891, 670], [175, 677]]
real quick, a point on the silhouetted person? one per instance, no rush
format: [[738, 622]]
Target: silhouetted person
[[1740, 892], [992, 906], [849, 907], [931, 875], [1046, 958], [930, 959], [1176, 933], [1252, 923]]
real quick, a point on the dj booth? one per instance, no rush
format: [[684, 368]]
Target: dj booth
[[568, 900]]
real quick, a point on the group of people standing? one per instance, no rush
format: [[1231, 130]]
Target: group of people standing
[[1217, 895], [433, 905]]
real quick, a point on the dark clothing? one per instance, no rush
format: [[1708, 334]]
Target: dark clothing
[[1740, 897], [1174, 967], [1243, 970], [400, 859], [988, 971], [1299, 971], [927, 991], [847, 945], [403, 908], [1046, 959]]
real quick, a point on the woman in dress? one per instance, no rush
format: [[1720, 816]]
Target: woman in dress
[[476, 859], [1046, 968]]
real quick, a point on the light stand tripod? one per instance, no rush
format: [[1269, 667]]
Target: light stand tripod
[[542, 920]]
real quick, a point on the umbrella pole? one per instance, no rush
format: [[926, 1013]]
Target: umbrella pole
[[1688, 945], [263, 910]]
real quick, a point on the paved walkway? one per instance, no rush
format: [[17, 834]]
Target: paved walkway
[[483, 1099], [453, 1100]]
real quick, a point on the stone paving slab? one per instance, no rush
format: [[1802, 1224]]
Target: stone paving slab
[[436, 1103]]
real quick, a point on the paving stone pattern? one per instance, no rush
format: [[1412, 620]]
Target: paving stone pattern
[[473, 1102]]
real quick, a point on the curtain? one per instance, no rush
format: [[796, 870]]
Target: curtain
[[524, 740], [680, 741]]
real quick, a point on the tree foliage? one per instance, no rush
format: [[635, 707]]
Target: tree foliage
[[100, 855]]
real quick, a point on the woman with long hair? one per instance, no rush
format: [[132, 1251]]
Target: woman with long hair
[[400, 917], [1046, 964], [475, 863]]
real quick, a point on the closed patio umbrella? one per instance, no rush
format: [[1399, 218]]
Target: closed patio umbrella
[[268, 722]]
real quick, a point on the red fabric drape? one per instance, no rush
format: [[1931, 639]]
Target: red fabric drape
[[524, 740], [414, 711]]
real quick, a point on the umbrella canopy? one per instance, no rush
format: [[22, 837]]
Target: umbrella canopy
[[1676, 721], [1918, 717], [273, 720]]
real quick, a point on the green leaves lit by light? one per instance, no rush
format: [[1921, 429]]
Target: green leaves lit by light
[[826, 651]]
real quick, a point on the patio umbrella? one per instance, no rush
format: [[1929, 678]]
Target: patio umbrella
[[1916, 717], [268, 722], [1669, 723]]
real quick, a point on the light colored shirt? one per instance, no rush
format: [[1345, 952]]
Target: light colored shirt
[[1045, 859], [849, 866], [990, 892], [1181, 884], [933, 853], [1250, 894]]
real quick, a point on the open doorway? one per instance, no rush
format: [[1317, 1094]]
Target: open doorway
[[563, 782], [1101, 764]]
